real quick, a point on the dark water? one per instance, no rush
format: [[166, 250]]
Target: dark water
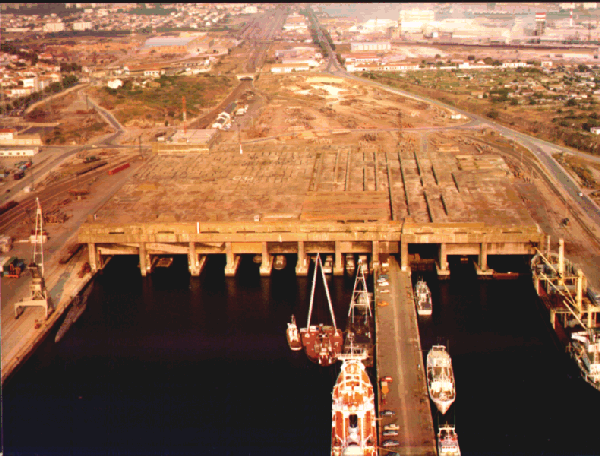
[[516, 391], [171, 365]]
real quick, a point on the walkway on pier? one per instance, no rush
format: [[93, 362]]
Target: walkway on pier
[[399, 356]]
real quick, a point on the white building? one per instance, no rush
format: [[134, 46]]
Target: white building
[[54, 27], [514, 64], [370, 46], [250, 9], [115, 83], [80, 26], [595, 130]]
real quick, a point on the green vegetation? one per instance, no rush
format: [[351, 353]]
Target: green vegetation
[[158, 10], [162, 98], [519, 98]]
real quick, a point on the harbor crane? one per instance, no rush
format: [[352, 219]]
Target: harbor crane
[[38, 295]]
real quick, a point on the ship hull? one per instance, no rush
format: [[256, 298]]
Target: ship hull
[[323, 344], [440, 378]]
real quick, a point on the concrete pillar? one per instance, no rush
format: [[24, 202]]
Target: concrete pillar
[[338, 266], [579, 290], [266, 265], [375, 258], [548, 246], [483, 256], [553, 319], [443, 257], [442, 266], [93, 254], [403, 256], [302, 265], [193, 263], [144, 259]]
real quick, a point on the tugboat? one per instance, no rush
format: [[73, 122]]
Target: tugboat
[[323, 344], [423, 298], [447, 441], [440, 378], [353, 431], [359, 330], [293, 337]]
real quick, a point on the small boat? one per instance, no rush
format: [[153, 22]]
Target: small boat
[[353, 422], [447, 441], [164, 262], [293, 337], [440, 378], [323, 344], [328, 265], [279, 262], [257, 259], [350, 265], [423, 298]]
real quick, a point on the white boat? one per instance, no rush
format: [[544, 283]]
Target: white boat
[[353, 428], [440, 378], [293, 336], [447, 441], [279, 262], [423, 298]]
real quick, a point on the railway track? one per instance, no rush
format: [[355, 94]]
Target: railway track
[[50, 195], [535, 165]]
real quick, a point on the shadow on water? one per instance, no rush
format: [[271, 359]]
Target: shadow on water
[[173, 364]]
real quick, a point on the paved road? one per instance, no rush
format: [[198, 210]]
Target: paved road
[[399, 356], [543, 150]]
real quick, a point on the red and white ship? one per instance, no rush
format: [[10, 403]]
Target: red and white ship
[[353, 430], [323, 344]]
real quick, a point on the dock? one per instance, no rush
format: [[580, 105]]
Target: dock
[[399, 356]]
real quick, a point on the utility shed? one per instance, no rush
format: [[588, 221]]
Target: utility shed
[[190, 142]]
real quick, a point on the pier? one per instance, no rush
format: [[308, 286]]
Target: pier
[[399, 356]]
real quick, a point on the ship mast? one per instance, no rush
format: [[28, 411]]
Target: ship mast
[[312, 293], [327, 292]]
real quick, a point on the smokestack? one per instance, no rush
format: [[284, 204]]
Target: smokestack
[[571, 19]]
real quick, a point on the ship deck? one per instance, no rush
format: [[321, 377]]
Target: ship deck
[[399, 356]]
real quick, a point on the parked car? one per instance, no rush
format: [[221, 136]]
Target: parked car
[[390, 443], [388, 413], [390, 432], [391, 427], [387, 378]]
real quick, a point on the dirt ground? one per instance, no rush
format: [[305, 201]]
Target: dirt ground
[[299, 103]]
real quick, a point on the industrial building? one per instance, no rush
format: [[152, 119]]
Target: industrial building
[[187, 142]]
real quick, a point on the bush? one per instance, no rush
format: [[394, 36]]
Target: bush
[[493, 114]]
